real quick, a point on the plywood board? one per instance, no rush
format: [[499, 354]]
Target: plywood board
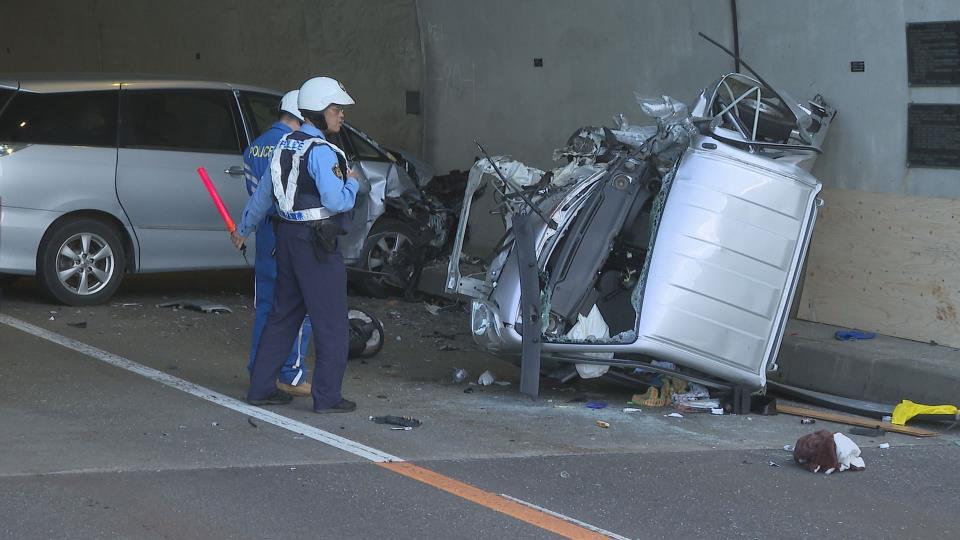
[[886, 263], [851, 420]]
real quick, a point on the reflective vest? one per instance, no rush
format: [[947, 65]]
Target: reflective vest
[[295, 190]]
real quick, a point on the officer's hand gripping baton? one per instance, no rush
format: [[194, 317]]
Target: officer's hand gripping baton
[[218, 202]]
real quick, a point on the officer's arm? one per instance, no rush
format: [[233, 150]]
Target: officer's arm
[[249, 178], [257, 207], [335, 194]]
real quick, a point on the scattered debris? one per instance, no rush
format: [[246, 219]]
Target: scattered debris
[[51, 318], [403, 428], [596, 405], [591, 327], [564, 474], [698, 405], [382, 396], [718, 411], [773, 464], [486, 379], [603, 424], [502, 383], [196, 305], [432, 308], [885, 445], [832, 402], [448, 348], [394, 314], [826, 452], [215, 424], [366, 334], [854, 420], [631, 409], [252, 423], [674, 415], [460, 375], [694, 392], [906, 409], [853, 335], [468, 390], [81, 324], [806, 420], [848, 453], [402, 421]]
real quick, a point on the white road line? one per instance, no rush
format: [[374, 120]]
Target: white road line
[[575, 521], [299, 428]]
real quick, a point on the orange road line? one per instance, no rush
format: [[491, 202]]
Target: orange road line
[[491, 500]]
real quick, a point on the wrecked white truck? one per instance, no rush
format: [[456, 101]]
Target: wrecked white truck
[[681, 242]]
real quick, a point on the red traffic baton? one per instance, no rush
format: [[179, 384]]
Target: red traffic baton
[[212, 190]]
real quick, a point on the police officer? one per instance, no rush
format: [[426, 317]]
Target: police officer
[[256, 160], [312, 189]]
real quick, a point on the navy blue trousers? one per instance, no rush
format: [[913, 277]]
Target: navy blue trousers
[[307, 284]]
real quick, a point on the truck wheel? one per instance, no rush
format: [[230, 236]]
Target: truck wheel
[[390, 248], [81, 263]]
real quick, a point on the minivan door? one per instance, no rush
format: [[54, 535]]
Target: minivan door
[[165, 135]]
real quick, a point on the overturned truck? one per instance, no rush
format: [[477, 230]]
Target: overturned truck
[[680, 242]]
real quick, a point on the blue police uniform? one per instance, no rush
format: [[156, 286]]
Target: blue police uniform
[[308, 185], [256, 161]]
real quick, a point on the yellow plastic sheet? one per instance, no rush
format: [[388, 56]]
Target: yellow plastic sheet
[[906, 409]]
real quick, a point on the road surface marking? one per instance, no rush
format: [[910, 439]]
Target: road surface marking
[[583, 524], [241, 407], [563, 526], [515, 508]]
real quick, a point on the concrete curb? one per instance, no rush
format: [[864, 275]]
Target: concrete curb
[[884, 369]]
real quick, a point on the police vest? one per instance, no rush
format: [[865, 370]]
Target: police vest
[[295, 190]]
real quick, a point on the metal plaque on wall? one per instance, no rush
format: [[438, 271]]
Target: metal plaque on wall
[[933, 135], [933, 53]]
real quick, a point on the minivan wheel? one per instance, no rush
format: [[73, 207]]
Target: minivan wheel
[[81, 262], [390, 249]]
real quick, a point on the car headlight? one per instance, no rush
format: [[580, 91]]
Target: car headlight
[[480, 318]]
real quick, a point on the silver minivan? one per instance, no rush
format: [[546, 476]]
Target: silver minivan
[[98, 177]]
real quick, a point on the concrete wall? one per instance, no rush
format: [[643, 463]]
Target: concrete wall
[[482, 83], [373, 47], [806, 47]]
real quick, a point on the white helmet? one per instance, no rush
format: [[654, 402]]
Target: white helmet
[[289, 104], [319, 93]]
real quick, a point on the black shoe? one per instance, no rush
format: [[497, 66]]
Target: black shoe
[[277, 398], [345, 405]]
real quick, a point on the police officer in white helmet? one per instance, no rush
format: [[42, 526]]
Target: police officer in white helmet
[[313, 191]]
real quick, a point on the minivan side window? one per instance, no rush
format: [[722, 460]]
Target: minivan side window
[[262, 111], [73, 118], [181, 120]]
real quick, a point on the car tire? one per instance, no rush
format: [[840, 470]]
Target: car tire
[[81, 263], [391, 247]]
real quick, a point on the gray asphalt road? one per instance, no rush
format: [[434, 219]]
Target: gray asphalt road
[[92, 451]]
